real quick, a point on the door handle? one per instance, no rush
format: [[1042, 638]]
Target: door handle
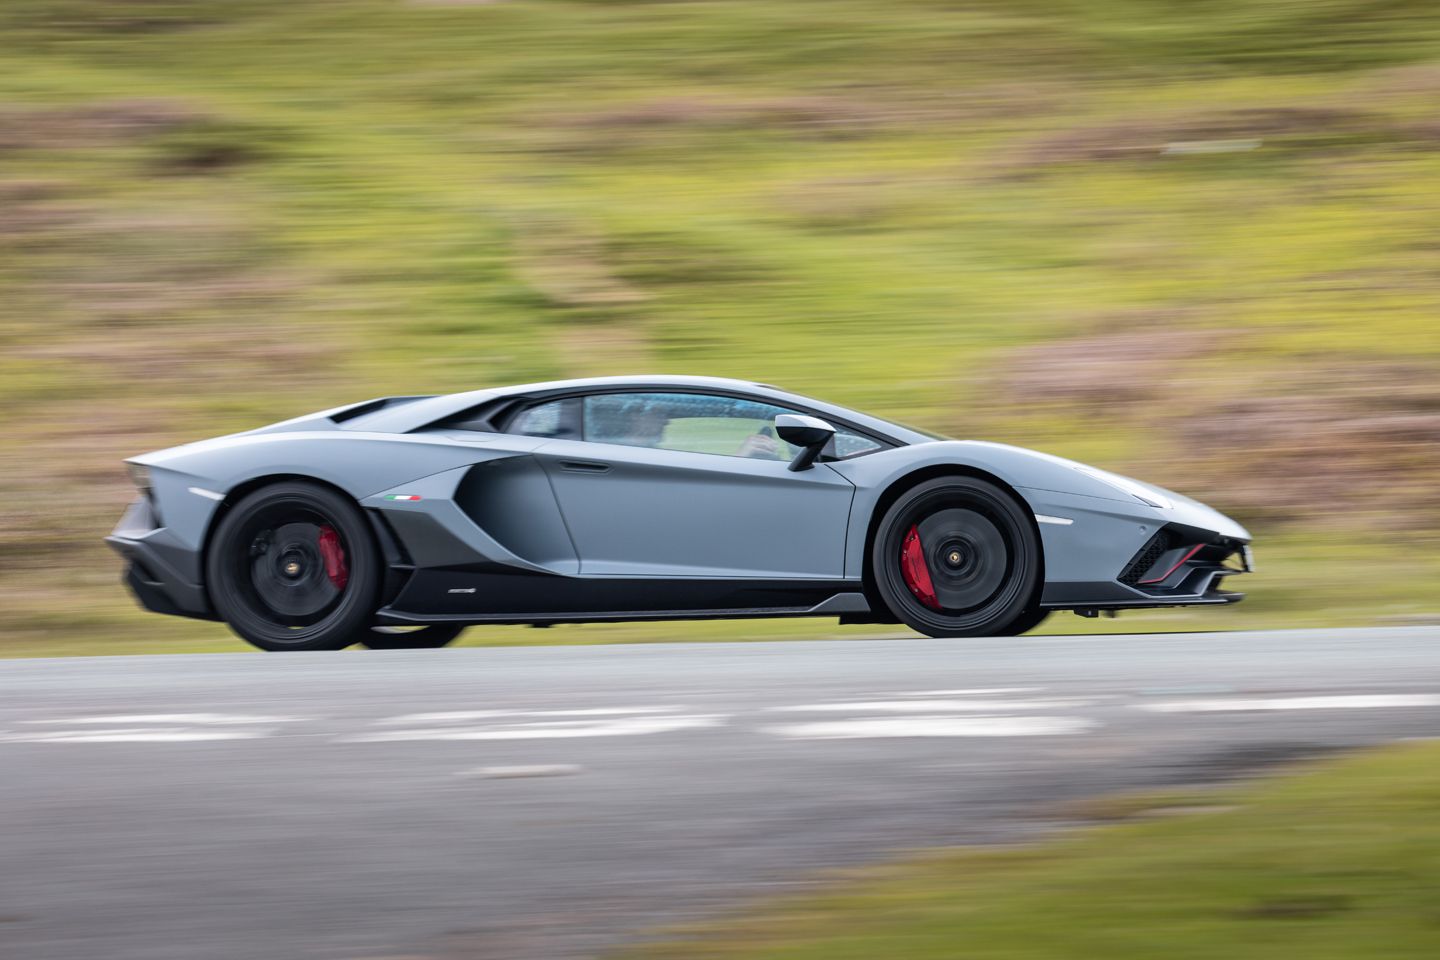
[[584, 466]]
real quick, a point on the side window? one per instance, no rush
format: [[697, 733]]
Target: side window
[[850, 444], [688, 422], [558, 419], [700, 423]]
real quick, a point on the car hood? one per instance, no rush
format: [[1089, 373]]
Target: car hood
[[1046, 471]]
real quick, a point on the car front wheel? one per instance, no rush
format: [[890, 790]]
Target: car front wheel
[[957, 557]]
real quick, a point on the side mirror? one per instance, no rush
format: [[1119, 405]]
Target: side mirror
[[811, 434]]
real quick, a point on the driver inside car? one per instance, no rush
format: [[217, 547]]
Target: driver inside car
[[648, 425], [761, 445]]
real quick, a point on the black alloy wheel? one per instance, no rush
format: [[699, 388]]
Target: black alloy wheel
[[957, 557], [293, 566]]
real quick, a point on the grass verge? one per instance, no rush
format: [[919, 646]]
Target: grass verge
[[1342, 861]]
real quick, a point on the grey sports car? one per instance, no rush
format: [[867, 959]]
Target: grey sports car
[[397, 522]]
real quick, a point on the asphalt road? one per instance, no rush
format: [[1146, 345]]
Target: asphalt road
[[547, 803]]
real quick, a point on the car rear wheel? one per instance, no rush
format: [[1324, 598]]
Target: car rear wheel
[[430, 636], [293, 566], [957, 557]]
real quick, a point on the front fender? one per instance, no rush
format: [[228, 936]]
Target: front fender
[[1107, 525]]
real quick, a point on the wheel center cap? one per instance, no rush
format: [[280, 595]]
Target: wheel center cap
[[955, 556], [292, 564]]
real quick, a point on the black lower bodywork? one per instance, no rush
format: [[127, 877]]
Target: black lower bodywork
[[1178, 566], [485, 592]]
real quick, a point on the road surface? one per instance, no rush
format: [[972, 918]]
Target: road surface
[[551, 803]]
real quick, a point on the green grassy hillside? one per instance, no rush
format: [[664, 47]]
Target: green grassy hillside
[[1195, 241]]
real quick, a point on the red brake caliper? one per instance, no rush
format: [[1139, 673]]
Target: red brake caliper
[[915, 570], [334, 555]]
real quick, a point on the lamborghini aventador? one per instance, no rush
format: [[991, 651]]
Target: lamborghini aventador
[[399, 521]]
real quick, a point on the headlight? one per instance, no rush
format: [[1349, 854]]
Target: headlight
[[1137, 490]]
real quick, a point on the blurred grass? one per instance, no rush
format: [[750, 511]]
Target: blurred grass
[[1340, 862], [214, 216]]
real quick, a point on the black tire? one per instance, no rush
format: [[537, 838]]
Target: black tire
[[1027, 621], [980, 552], [294, 566], [428, 637]]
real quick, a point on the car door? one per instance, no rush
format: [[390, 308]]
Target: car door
[[682, 500]]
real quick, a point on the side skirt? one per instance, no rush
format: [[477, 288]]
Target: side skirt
[[469, 596], [841, 605]]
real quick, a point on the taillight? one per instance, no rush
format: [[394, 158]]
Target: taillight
[[140, 476]]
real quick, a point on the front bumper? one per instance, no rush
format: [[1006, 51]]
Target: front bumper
[[1103, 554], [1177, 566], [152, 569]]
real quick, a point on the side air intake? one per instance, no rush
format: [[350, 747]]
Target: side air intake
[[1148, 556]]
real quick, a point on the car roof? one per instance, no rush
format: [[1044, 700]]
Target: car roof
[[420, 413]]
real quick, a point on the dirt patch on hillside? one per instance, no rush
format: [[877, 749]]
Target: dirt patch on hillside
[[1105, 374], [812, 112], [568, 265], [92, 124], [1336, 443], [664, 120], [1214, 132]]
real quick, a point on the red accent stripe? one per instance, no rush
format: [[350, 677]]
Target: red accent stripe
[[1193, 550], [915, 570]]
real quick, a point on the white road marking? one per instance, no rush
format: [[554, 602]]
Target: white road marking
[[613, 727], [223, 719], [932, 706], [534, 770], [877, 727], [454, 716], [971, 692], [152, 728], [1355, 702], [463, 716], [134, 735]]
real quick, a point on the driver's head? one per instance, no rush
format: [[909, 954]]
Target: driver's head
[[647, 427]]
